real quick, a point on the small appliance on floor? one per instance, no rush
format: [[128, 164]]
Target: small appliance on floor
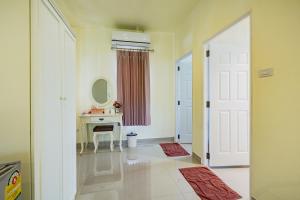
[[10, 181]]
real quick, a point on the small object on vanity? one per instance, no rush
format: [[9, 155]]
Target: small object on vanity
[[107, 111], [112, 111], [131, 139], [117, 106], [103, 130], [95, 110]]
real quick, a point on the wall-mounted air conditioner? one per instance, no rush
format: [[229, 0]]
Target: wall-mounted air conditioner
[[130, 40]]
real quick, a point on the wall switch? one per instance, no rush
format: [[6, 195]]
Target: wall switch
[[267, 72]]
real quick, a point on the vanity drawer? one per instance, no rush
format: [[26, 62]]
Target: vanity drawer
[[102, 119]]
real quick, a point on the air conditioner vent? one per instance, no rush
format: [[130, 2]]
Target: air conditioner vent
[[130, 40]]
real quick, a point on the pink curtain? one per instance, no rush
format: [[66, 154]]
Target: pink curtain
[[134, 87]]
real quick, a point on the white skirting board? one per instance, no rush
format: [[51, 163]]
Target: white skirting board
[[140, 142]]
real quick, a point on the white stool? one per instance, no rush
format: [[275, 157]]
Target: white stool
[[103, 130]]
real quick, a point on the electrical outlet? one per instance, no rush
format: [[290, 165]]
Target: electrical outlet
[[267, 72]]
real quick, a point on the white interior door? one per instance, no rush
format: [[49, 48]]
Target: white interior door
[[184, 100], [229, 94], [69, 117], [51, 134]]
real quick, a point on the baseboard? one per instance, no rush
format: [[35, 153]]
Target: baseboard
[[140, 142], [196, 157], [155, 141], [235, 166]]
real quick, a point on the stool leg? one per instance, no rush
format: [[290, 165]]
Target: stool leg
[[95, 142], [111, 142]]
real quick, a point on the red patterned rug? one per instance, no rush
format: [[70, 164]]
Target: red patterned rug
[[173, 149], [207, 185]]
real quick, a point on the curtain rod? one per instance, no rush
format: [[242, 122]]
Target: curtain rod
[[128, 49]]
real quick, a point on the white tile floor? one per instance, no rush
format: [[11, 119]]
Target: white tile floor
[[236, 178], [144, 173]]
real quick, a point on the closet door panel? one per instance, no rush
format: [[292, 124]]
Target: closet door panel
[[51, 135], [69, 117]]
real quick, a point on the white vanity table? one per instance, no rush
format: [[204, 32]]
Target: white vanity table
[[114, 119], [101, 99]]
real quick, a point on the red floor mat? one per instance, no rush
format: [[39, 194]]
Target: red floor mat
[[173, 149], [207, 185]]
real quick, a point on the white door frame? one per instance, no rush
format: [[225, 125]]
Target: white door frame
[[177, 95], [206, 90]]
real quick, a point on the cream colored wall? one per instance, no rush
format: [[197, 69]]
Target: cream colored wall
[[15, 86], [275, 43], [96, 59]]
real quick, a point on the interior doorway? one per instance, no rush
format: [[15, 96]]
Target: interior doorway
[[227, 95], [184, 103]]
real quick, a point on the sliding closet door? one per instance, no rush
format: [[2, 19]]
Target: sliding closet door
[[69, 117], [50, 94]]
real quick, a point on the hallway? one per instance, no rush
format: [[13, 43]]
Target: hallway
[[144, 173]]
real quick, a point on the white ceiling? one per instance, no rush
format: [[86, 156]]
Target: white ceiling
[[158, 15]]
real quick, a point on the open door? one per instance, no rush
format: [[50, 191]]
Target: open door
[[229, 96], [184, 100]]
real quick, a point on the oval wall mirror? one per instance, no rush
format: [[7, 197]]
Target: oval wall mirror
[[101, 91]]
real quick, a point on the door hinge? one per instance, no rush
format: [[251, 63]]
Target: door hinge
[[207, 104], [207, 156], [207, 53], [178, 136], [178, 68], [178, 103]]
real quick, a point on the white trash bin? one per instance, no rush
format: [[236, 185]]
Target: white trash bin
[[131, 139]]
